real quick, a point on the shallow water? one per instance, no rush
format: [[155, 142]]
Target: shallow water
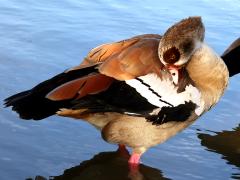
[[42, 38]]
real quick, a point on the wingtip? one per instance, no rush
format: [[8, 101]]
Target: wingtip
[[232, 46], [231, 58], [7, 102]]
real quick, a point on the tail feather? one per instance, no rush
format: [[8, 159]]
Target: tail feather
[[32, 104]]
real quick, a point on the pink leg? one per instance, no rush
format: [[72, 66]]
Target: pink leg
[[134, 159]]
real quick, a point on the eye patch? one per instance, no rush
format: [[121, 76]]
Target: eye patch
[[172, 55]]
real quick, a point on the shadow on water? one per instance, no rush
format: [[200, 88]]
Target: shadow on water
[[108, 166], [226, 143]]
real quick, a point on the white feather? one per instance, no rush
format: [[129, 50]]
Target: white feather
[[167, 90]]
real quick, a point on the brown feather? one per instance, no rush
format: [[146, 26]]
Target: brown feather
[[121, 60], [138, 60], [80, 87], [103, 52], [126, 59]]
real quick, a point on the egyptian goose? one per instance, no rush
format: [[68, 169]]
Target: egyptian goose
[[138, 92]]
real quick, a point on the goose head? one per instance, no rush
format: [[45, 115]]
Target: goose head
[[179, 43]]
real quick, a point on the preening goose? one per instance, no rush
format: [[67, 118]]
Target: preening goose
[[138, 92]]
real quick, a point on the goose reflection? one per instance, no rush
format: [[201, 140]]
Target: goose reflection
[[226, 143], [110, 166]]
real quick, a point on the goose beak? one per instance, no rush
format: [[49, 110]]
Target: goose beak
[[174, 71]]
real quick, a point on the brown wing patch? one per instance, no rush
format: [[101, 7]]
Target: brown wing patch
[[72, 113], [101, 53], [105, 51], [139, 59], [80, 87], [117, 50], [126, 59]]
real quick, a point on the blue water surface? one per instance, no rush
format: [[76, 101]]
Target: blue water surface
[[39, 39]]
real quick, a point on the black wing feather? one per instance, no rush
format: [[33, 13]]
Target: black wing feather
[[32, 104], [122, 98], [119, 97]]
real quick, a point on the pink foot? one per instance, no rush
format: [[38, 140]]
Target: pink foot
[[134, 159]]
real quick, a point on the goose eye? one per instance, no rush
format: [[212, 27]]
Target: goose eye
[[171, 56]]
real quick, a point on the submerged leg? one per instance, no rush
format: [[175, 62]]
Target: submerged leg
[[133, 163]]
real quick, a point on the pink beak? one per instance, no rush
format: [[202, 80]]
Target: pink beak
[[175, 73]]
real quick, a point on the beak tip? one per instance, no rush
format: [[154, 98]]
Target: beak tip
[[175, 75]]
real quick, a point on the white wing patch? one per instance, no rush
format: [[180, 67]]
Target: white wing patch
[[162, 92]]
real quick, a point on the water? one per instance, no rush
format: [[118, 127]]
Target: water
[[42, 38]]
